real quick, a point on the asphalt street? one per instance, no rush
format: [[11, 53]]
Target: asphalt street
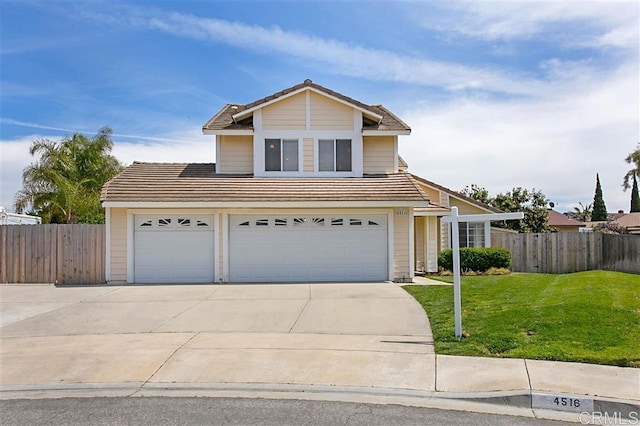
[[236, 411]]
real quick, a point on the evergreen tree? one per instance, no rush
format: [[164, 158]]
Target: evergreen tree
[[599, 208], [635, 197]]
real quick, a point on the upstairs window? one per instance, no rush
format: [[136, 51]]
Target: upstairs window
[[281, 155], [334, 155]]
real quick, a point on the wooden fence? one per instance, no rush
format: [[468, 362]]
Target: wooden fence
[[63, 254], [564, 252]]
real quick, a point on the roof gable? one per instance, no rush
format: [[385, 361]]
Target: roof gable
[[237, 118], [313, 87], [455, 194]]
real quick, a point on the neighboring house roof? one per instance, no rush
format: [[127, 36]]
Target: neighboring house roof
[[456, 194], [383, 119], [615, 216], [631, 221], [179, 182], [556, 219]]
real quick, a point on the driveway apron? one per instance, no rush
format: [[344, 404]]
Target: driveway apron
[[340, 334]]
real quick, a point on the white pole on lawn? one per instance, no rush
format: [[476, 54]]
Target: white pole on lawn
[[455, 244]]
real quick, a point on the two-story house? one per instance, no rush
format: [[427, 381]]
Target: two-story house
[[307, 186]]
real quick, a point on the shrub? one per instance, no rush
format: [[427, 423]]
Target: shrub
[[478, 259]]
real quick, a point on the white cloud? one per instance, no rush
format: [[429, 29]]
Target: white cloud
[[604, 23], [556, 142], [14, 157], [339, 57]]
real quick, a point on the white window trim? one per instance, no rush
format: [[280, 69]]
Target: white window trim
[[333, 172], [356, 148], [466, 234], [281, 173], [316, 159]]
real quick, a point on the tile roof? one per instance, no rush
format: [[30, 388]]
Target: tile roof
[[456, 194], [179, 182], [629, 220], [555, 218], [223, 119]]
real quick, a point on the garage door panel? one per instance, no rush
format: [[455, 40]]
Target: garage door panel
[[176, 249], [308, 248]]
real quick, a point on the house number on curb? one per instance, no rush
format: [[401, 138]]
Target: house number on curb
[[561, 402]]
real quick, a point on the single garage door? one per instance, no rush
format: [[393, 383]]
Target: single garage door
[[173, 249], [308, 248]]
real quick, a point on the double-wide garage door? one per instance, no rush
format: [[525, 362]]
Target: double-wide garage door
[[174, 249], [267, 248], [308, 248]]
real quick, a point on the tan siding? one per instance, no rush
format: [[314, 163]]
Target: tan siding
[[286, 114], [464, 207], [433, 194], [378, 154], [401, 266], [235, 155], [327, 114], [308, 157], [118, 236], [420, 231]]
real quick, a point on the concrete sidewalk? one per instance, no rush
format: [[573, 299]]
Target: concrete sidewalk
[[355, 342]]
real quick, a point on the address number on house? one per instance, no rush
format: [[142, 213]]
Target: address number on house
[[561, 402]]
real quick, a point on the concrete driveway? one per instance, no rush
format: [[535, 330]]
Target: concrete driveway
[[356, 334]]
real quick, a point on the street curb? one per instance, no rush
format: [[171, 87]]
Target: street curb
[[515, 403]]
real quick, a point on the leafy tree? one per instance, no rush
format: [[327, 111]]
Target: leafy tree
[[532, 202], [63, 185], [635, 197], [599, 208], [583, 213], [477, 193], [633, 158], [610, 228]]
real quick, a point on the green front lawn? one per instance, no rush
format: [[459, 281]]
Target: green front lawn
[[589, 316]]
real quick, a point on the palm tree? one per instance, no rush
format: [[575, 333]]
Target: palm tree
[[633, 158], [583, 213], [64, 184]]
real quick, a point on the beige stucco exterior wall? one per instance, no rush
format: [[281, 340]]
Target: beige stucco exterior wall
[[378, 154], [567, 228], [307, 155], [235, 154], [118, 241], [286, 114], [401, 258], [327, 114]]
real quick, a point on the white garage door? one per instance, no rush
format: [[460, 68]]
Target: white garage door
[[173, 249], [308, 248]]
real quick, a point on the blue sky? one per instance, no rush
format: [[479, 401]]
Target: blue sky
[[500, 94]]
